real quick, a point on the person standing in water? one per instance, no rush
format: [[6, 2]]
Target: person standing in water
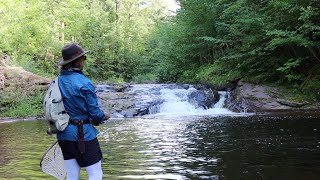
[[78, 142]]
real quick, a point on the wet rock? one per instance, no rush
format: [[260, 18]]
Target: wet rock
[[116, 115], [111, 88], [116, 102], [204, 99], [210, 91], [142, 99], [129, 112], [254, 98], [177, 86]]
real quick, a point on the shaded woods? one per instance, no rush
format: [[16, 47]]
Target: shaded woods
[[209, 41], [260, 41]]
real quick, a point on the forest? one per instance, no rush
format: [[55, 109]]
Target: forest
[[207, 41]]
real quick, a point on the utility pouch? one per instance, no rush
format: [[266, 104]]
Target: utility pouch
[[79, 124], [81, 145]]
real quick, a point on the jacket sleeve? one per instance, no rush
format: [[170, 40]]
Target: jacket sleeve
[[95, 112]]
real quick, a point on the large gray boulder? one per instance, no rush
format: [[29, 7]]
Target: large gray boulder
[[204, 99], [248, 97]]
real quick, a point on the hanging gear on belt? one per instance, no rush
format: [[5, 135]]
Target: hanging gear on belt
[[79, 124]]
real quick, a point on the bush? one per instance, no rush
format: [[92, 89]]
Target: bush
[[24, 105], [145, 78], [217, 74]]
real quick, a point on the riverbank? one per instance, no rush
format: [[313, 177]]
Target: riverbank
[[16, 119], [263, 98], [19, 86], [21, 92], [310, 113]]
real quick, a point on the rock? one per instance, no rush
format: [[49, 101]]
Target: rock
[[19, 78], [291, 103], [16, 82], [111, 88], [210, 93], [116, 102], [2, 80], [3, 58], [116, 115], [128, 112], [204, 99], [122, 101], [254, 98]]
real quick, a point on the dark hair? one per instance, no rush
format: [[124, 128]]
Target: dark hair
[[72, 64]]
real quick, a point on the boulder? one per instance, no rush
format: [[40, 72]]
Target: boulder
[[204, 99], [117, 102], [16, 82], [247, 97]]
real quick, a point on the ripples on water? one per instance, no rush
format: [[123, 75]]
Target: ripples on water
[[224, 148]]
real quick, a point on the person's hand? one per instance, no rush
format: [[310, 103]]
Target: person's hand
[[95, 123], [107, 116]]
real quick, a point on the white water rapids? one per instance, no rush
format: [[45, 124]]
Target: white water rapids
[[175, 101]]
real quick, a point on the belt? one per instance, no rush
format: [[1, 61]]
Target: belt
[[76, 122], [79, 124]]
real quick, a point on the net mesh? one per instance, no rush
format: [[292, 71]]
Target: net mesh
[[52, 162]]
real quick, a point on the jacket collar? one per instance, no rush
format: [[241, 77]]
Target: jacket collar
[[66, 72]]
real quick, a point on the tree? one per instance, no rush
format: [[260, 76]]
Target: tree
[[221, 40]]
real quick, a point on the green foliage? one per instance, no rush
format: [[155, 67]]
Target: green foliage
[[216, 74], [24, 106], [288, 69], [219, 40], [311, 88], [33, 32], [131, 40], [145, 78]]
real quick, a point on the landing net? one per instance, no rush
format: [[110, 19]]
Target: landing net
[[52, 162]]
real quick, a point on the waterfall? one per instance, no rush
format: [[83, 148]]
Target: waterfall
[[223, 97], [175, 102], [162, 99]]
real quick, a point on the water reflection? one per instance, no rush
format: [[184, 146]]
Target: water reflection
[[22, 145], [224, 148], [165, 148]]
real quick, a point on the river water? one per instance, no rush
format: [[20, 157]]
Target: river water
[[219, 147]]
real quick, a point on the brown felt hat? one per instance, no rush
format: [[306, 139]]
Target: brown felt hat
[[71, 52]]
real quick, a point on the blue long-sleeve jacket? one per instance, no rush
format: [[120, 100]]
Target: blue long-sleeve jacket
[[81, 103]]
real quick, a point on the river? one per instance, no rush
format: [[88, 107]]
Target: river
[[221, 147]]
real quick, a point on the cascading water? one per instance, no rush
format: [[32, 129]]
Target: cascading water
[[162, 99], [175, 102]]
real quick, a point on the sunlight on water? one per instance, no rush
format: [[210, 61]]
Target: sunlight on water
[[159, 176], [174, 101], [194, 147], [163, 146], [176, 104], [181, 148]]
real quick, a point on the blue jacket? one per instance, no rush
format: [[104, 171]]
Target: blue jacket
[[81, 103]]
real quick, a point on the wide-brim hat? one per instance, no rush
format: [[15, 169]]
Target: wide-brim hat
[[71, 52]]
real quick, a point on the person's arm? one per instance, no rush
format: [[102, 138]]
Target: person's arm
[[96, 113]]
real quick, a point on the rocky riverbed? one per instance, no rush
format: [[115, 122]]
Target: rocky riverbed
[[121, 100]]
